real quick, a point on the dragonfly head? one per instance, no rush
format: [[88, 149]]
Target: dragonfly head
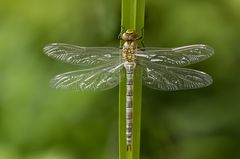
[[130, 35]]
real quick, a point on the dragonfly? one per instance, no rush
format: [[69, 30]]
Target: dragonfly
[[163, 68]]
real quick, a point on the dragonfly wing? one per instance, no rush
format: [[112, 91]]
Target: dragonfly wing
[[169, 78], [180, 56], [88, 80], [93, 56]]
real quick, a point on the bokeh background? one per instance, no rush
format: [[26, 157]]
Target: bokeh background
[[37, 122]]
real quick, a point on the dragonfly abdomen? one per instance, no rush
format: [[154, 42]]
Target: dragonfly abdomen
[[129, 103]]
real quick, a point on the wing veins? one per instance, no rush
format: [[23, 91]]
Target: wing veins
[[89, 56], [172, 78], [181, 56]]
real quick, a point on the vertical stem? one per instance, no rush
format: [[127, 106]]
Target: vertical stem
[[132, 18]]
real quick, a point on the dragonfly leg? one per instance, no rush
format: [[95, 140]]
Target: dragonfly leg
[[141, 37], [142, 34], [120, 34], [142, 42]]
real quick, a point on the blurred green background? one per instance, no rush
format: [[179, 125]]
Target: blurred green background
[[37, 122]]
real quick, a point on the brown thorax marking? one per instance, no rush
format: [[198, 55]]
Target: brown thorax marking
[[130, 45]]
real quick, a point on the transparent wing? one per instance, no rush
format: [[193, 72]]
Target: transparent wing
[[77, 55], [98, 79], [180, 56], [169, 78]]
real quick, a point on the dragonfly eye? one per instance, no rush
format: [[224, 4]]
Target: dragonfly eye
[[130, 31], [125, 36]]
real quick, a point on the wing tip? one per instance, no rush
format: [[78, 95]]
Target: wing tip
[[208, 48], [208, 79], [49, 48]]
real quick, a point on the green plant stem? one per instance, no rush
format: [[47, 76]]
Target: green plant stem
[[132, 18]]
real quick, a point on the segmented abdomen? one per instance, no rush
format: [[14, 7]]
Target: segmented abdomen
[[129, 103]]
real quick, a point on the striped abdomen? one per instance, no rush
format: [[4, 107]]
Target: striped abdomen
[[129, 102]]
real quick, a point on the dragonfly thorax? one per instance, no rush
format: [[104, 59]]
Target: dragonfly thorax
[[129, 50], [129, 45]]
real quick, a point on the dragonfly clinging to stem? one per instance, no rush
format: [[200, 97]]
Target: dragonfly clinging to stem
[[162, 68]]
